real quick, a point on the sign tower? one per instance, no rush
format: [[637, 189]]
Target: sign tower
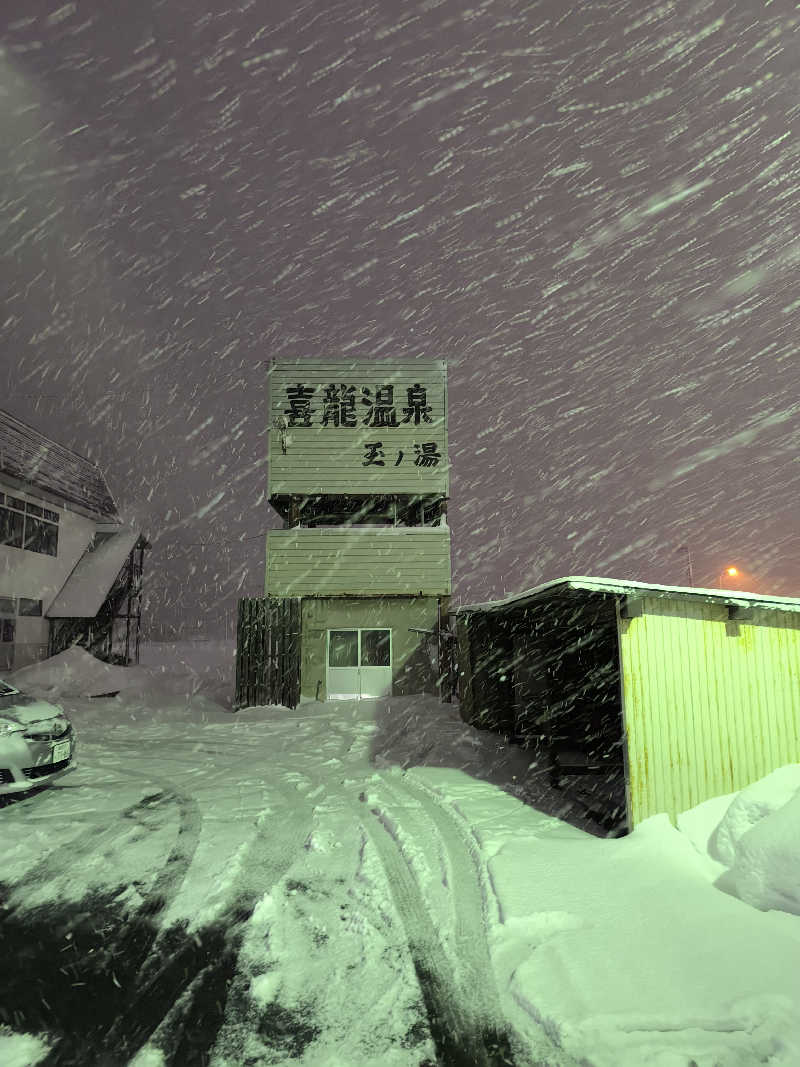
[[359, 473]]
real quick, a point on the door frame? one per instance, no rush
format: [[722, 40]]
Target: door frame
[[359, 630]]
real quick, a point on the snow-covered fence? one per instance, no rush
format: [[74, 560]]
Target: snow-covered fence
[[268, 652]]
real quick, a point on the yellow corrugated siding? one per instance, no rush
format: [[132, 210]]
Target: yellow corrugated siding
[[709, 705], [330, 459], [309, 562]]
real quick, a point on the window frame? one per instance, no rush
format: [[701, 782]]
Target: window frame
[[39, 526]]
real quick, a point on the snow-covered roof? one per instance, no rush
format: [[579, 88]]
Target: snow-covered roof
[[622, 587], [32, 462], [87, 586]]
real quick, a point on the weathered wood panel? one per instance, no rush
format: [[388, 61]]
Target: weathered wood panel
[[334, 560], [358, 427], [252, 654], [268, 652]]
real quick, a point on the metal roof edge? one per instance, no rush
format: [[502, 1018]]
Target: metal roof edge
[[623, 587]]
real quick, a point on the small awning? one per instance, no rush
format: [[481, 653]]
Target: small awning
[[83, 593]]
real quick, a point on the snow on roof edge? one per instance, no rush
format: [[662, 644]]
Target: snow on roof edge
[[622, 586], [90, 580]]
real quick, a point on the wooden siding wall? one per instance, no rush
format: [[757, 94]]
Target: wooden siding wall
[[710, 705], [268, 652], [337, 560], [568, 674], [330, 459], [485, 651], [547, 677]]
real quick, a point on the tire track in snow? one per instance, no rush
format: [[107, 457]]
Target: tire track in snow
[[462, 1036], [202, 965], [96, 837], [97, 980], [470, 975]]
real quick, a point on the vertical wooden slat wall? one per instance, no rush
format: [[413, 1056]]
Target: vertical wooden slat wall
[[268, 652]]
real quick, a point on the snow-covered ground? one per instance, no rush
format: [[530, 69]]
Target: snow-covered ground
[[345, 884]]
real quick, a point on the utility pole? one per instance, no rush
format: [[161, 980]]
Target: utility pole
[[689, 569], [228, 586]]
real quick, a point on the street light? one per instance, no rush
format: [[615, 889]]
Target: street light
[[731, 572]]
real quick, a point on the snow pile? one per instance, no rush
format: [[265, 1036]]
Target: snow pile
[[758, 840], [189, 681], [626, 950], [21, 1050], [74, 673], [188, 677]]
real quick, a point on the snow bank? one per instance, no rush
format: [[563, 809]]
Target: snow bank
[[21, 1050], [187, 680], [75, 673], [758, 840], [626, 950]]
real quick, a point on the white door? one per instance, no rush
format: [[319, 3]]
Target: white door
[[359, 664]]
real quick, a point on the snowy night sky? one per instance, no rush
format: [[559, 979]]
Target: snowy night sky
[[589, 210]]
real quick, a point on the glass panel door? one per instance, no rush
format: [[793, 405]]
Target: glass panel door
[[342, 681], [376, 648], [376, 663], [343, 648], [359, 664]]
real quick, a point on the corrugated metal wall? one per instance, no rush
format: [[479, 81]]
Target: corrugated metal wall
[[710, 705], [333, 560], [329, 456]]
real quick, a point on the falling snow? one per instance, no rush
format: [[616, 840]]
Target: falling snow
[[588, 210]]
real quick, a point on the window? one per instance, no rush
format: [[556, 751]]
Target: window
[[343, 648], [40, 536], [7, 631], [29, 607], [11, 528], [8, 606], [375, 648], [27, 526]]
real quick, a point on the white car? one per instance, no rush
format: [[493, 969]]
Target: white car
[[37, 743]]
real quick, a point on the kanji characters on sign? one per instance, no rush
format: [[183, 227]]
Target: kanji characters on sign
[[381, 410], [427, 455], [374, 450], [339, 406], [418, 406], [299, 410]]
